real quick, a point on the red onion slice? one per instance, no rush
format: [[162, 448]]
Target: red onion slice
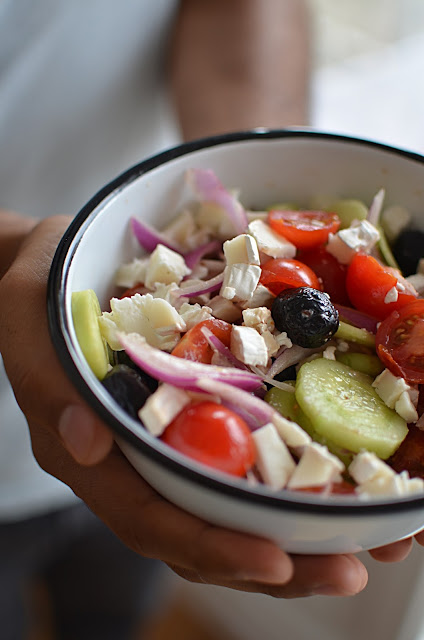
[[180, 372], [192, 258], [148, 237], [220, 347], [208, 188], [357, 318], [288, 357], [375, 208], [199, 288]]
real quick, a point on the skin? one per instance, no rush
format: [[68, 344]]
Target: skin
[[68, 440]]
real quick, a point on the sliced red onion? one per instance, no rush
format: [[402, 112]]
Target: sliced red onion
[[357, 318], [148, 237], [178, 371], [199, 288], [208, 188], [222, 349], [375, 208], [192, 258], [288, 357]]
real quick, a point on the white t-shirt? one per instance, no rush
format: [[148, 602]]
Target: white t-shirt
[[82, 97]]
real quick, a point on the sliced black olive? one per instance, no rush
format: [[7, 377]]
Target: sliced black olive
[[408, 249], [306, 315], [127, 388], [121, 357]]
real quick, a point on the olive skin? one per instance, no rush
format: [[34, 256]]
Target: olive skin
[[307, 316], [127, 388], [408, 249]]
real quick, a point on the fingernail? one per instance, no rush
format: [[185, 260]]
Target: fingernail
[[77, 432]]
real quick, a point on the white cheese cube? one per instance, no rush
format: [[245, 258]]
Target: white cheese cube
[[391, 296], [405, 408], [192, 314], [132, 273], [290, 432], [242, 248], [145, 315], [248, 346], [389, 387], [274, 461], [283, 340], [367, 466], [240, 281], [259, 298], [165, 266], [316, 467], [271, 343], [360, 236], [162, 407], [270, 242], [224, 309], [259, 319], [329, 353]]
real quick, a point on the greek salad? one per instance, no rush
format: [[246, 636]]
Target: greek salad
[[283, 346]]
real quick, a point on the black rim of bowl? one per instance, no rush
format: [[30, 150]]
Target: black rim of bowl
[[61, 340]]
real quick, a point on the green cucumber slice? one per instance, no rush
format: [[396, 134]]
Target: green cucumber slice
[[85, 314], [349, 333], [286, 403], [344, 408], [348, 211], [363, 362]]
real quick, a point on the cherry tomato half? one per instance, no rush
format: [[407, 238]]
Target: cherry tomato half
[[213, 435], [400, 341], [368, 283], [194, 344], [283, 273], [329, 270], [304, 229]]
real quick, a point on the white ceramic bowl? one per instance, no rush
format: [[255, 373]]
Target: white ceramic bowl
[[267, 166]]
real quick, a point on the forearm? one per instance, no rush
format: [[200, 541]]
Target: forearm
[[13, 230], [239, 64]]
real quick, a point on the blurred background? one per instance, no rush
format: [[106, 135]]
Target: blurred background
[[368, 70]]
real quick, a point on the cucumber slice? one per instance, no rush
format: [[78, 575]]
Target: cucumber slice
[[286, 403], [85, 314], [349, 333], [363, 362], [344, 408], [348, 211]]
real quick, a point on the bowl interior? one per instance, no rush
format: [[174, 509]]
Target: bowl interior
[[266, 168]]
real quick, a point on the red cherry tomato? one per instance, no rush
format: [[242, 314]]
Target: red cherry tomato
[[304, 229], [400, 341], [194, 344], [283, 273], [331, 273], [213, 435], [368, 282]]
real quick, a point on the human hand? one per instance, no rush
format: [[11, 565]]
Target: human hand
[[71, 443]]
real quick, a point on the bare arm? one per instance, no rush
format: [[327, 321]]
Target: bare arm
[[239, 64]]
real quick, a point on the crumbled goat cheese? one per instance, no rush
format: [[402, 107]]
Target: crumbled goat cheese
[[242, 248], [165, 266], [391, 390], [131, 273], [240, 281], [192, 314]]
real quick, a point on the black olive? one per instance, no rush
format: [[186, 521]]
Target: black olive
[[306, 315], [408, 249], [121, 357], [286, 374], [127, 388]]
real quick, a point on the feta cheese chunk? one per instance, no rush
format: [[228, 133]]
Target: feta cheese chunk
[[165, 266], [261, 296], [367, 466], [391, 296], [192, 314], [240, 281], [131, 273], [360, 236], [290, 432], [259, 319], [248, 346], [274, 460], [405, 408], [270, 242], [162, 407], [224, 309], [400, 484], [316, 467], [153, 318], [242, 248], [390, 387]]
